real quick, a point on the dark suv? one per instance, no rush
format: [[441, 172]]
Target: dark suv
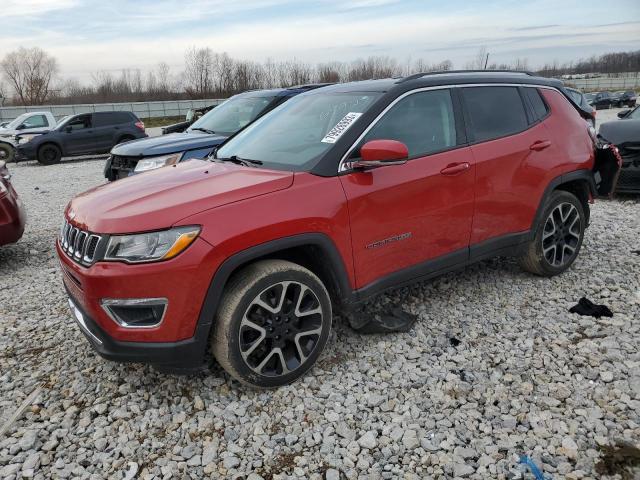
[[340, 194], [200, 138], [81, 134]]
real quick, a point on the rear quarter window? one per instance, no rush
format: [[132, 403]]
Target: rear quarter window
[[538, 106], [104, 119], [494, 112]]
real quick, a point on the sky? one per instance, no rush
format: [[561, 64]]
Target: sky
[[90, 35]]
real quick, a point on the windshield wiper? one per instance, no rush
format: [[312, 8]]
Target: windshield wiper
[[205, 130], [240, 161]]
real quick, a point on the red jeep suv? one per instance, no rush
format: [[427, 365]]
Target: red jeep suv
[[338, 194]]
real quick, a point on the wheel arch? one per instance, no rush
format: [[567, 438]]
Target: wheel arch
[[579, 182], [314, 251]]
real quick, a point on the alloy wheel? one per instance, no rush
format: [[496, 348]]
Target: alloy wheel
[[280, 329], [561, 234]]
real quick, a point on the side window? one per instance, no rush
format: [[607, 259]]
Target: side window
[[119, 118], [80, 123], [423, 121], [537, 103], [494, 111], [36, 121]]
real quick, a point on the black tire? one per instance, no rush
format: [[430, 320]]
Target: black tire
[[7, 153], [298, 302], [557, 239], [49, 154]]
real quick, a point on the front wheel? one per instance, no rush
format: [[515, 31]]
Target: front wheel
[[7, 152], [49, 154], [558, 237], [273, 322]]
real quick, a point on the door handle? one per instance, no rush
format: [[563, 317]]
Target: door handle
[[455, 168], [540, 145]]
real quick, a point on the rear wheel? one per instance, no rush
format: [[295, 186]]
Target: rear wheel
[[49, 154], [273, 322], [558, 238], [7, 152]]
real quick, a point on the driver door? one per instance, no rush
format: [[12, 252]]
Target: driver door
[[78, 135], [407, 220]]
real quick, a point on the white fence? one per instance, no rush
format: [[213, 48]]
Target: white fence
[[141, 109], [612, 82]]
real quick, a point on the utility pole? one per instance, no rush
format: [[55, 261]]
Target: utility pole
[[486, 62]]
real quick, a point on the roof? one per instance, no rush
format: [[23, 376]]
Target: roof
[[433, 79], [276, 92]]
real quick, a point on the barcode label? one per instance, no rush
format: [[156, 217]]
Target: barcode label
[[336, 132]]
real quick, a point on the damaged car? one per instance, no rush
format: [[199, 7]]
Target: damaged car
[[625, 134], [12, 213]]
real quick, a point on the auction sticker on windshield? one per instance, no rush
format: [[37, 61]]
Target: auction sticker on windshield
[[336, 132]]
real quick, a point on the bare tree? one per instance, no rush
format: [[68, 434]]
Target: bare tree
[[30, 72], [198, 74]]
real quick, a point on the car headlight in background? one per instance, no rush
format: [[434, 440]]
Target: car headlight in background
[[152, 163], [152, 246]]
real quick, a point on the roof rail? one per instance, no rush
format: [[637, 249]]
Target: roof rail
[[444, 72], [311, 85]]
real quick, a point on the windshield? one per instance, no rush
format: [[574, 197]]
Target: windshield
[[634, 114], [232, 115], [297, 133]]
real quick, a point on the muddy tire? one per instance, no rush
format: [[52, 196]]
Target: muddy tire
[[558, 237], [273, 322], [49, 154]]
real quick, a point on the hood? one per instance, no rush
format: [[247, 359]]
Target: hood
[[158, 199], [166, 144], [620, 132]]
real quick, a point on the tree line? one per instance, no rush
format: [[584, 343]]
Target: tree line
[[31, 75]]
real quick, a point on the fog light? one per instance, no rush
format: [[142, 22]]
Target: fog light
[[135, 312]]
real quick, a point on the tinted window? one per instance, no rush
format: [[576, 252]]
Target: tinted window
[[494, 111], [575, 96], [36, 121], [537, 103], [423, 121], [104, 119]]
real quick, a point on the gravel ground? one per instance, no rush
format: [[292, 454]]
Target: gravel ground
[[495, 367]]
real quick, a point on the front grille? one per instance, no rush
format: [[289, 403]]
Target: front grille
[[79, 245], [629, 179]]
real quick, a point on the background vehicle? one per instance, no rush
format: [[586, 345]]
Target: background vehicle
[[80, 135], [200, 138], [192, 116], [25, 123], [313, 206], [602, 100], [627, 99], [580, 99], [12, 214], [625, 134]]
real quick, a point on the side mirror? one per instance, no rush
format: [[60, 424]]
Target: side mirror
[[68, 129], [623, 113], [21, 127], [379, 153]]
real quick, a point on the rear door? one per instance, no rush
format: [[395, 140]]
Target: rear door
[[105, 129], [405, 215], [514, 154]]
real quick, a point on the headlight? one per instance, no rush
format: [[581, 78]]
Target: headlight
[[156, 162], [22, 139], [152, 246]]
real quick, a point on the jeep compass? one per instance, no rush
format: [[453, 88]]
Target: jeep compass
[[332, 197]]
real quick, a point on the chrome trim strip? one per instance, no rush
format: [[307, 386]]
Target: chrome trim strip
[[77, 314], [105, 303], [345, 166]]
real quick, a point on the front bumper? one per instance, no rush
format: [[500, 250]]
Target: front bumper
[[629, 179], [182, 355], [25, 152], [181, 338]]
